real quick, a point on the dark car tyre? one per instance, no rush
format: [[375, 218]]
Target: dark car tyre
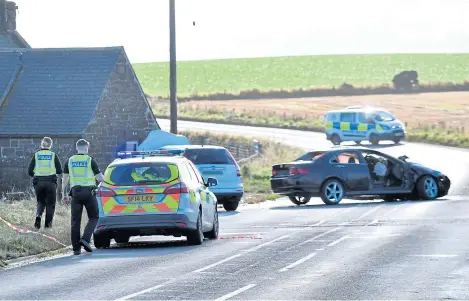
[[299, 200], [396, 140], [427, 188], [231, 205], [122, 239], [335, 139], [374, 139], [213, 234], [332, 192], [101, 241], [196, 237]]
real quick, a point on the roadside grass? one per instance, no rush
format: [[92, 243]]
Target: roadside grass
[[298, 73], [22, 214], [438, 118]]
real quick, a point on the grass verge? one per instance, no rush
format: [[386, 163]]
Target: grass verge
[[21, 214], [302, 75]]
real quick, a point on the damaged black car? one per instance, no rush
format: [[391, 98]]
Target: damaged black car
[[356, 173]]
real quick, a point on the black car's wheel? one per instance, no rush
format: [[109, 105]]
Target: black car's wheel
[[374, 139], [101, 241], [335, 139], [196, 237], [299, 200], [396, 140], [122, 239], [389, 198], [213, 234], [231, 205], [358, 142], [332, 192], [427, 188]]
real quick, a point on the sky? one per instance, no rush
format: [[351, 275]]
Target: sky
[[248, 28]]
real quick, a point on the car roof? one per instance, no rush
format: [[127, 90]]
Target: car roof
[[152, 159], [358, 109], [193, 146], [342, 148]]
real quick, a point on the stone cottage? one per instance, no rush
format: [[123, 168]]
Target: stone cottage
[[67, 94]]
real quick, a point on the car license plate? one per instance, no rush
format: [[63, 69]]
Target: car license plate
[[140, 198], [398, 134]]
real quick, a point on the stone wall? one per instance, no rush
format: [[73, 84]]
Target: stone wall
[[15, 155], [122, 115]]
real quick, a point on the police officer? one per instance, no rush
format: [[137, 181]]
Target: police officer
[[44, 168], [82, 171]]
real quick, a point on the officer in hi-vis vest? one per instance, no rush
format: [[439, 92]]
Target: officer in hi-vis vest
[[44, 168], [82, 171]]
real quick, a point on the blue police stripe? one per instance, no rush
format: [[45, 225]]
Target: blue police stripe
[[336, 125], [44, 157], [354, 126]]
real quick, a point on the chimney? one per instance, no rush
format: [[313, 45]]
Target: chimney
[[8, 15]]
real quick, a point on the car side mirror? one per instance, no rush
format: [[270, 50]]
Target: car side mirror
[[211, 182]]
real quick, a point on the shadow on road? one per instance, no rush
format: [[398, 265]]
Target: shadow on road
[[351, 205], [228, 213]]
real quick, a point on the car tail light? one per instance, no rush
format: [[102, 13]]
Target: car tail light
[[176, 189], [106, 192], [274, 172], [298, 171], [238, 173]]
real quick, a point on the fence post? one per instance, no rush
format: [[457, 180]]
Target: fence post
[[256, 146]]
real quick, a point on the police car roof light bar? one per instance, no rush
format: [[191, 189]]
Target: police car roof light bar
[[133, 154]]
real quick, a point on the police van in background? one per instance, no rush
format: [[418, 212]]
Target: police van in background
[[363, 123]]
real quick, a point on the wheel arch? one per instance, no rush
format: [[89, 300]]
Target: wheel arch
[[333, 178]]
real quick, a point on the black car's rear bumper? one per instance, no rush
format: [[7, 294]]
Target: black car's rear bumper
[[444, 184], [292, 186]]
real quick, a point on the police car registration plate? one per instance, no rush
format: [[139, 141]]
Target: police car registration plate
[[142, 198]]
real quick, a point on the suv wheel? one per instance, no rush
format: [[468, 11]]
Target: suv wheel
[[335, 139], [231, 205], [122, 238], [196, 237]]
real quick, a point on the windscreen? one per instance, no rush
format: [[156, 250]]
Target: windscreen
[[145, 173], [209, 156], [383, 116]]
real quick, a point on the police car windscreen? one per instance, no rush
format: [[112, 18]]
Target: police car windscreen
[[142, 173], [209, 156]]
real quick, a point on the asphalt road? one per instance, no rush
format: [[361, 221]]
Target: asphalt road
[[276, 251]]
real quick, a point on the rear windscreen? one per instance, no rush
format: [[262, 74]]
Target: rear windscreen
[[145, 173], [208, 156], [311, 156]]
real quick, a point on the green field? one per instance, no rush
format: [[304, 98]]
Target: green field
[[292, 73]]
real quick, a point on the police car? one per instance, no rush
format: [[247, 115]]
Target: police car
[[155, 193], [363, 123]]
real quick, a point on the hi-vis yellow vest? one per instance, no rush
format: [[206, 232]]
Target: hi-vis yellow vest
[[80, 171], [44, 163]]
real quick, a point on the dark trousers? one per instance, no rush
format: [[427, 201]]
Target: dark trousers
[[81, 199], [46, 195]]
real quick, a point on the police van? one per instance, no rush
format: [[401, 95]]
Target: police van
[[363, 123]]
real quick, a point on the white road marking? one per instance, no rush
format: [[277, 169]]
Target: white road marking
[[369, 212], [236, 292], [320, 249], [239, 255], [373, 222], [318, 223], [142, 292], [335, 242], [315, 237], [298, 262], [436, 255]]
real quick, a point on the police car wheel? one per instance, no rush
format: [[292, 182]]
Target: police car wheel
[[196, 237], [213, 234], [335, 139], [101, 241], [374, 139]]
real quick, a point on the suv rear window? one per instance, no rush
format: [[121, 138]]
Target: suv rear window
[[209, 156], [145, 173]]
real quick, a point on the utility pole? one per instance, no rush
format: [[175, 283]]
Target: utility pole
[[172, 67]]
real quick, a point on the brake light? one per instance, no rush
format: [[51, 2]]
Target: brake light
[[298, 171], [274, 172], [177, 188], [106, 192], [238, 173]]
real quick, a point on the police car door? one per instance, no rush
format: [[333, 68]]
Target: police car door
[[205, 199], [348, 125]]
